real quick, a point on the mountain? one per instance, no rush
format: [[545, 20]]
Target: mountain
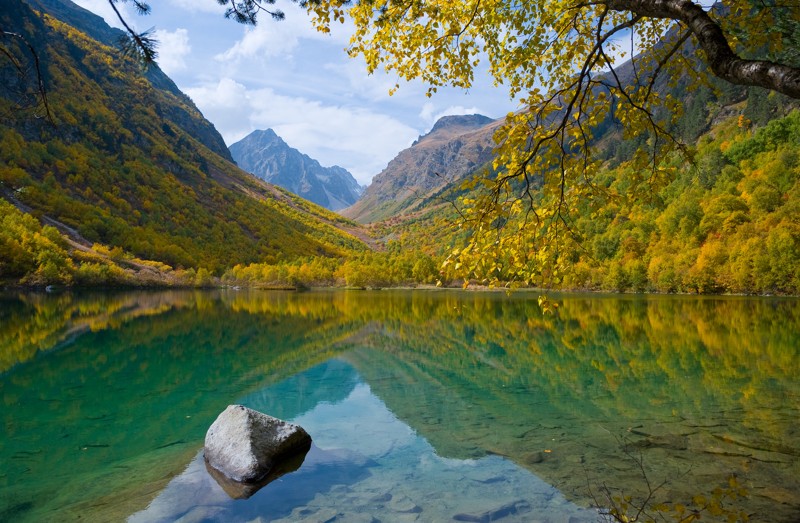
[[184, 113], [129, 162], [454, 148], [267, 156]]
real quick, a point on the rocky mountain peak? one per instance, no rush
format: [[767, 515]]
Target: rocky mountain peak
[[266, 135], [449, 127], [454, 148], [462, 121], [267, 156]]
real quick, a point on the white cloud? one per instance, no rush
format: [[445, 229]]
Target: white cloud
[[275, 38], [260, 41], [427, 111], [358, 139], [172, 49], [226, 104], [374, 87]]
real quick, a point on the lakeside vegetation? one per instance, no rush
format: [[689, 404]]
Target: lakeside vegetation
[[730, 223]]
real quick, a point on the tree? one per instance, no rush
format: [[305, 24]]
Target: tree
[[561, 59]]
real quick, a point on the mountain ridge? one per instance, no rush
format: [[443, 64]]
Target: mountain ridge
[[267, 156], [455, 147], [186, 114]]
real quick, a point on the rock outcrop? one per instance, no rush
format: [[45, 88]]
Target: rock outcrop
[[245, 445]]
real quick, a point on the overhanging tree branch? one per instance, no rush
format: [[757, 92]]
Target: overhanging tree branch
[[723, 61], [140, 44]]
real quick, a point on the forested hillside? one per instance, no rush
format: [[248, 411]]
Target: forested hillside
[[728, 220], [730, 223], [129, 163]]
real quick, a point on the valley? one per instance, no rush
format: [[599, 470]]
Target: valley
[[141, 191], [213, 212]]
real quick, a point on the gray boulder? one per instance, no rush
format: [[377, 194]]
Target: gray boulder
[[245, 445]]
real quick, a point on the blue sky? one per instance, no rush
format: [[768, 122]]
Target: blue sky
[[288, 77]]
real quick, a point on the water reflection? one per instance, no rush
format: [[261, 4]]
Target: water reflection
[[107, 397], [366, 463]]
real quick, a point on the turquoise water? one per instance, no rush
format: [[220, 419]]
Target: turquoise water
[[423, 406]]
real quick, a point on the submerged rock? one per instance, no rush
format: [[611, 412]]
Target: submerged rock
[[509, 509], [241, 490], [245, 445]]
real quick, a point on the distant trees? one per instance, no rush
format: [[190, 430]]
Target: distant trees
[[36, 255], [30, 252], [738, 235], [369, 269]]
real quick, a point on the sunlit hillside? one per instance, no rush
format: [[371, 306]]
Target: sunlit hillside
[[725, 221]]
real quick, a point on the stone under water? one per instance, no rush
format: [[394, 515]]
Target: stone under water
[[246, 445]]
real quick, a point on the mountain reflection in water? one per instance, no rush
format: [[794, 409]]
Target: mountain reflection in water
[[107, 398]]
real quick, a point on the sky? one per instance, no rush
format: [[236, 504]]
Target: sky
[[301, 83]]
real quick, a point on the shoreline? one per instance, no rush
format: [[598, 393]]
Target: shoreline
[[58, 289]]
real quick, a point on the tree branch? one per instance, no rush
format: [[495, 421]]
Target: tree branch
[[725, 64], [40, 86], [144, 46]]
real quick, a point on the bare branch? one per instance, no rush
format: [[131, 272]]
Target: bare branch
[[40, 85]]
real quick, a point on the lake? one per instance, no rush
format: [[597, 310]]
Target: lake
[[422, 405]]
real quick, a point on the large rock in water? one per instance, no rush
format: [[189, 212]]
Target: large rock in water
[[245, 444]]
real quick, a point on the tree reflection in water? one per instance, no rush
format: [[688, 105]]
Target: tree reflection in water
[[701, 388]]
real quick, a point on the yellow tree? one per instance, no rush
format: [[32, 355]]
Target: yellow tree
[[560, 59]]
